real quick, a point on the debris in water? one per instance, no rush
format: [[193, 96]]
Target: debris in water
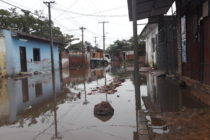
[[109, 89]]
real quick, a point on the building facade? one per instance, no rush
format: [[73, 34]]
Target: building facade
[[150, 33], [195, 35], [22, 52], [160, 37]]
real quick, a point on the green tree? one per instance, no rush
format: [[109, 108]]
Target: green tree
[[26, 22], [124, 45]]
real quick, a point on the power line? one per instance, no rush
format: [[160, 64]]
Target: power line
[[18, 7], [107, 10], [68, 7], [19, 4], [91, 15]]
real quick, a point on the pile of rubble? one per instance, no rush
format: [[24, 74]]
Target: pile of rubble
[[109, 89]]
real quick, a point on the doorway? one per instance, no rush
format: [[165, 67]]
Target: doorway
[[23, 60]]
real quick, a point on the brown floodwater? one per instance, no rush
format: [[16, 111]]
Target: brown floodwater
[[30, 111]]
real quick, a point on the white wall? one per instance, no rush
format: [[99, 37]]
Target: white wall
[[150, 32]]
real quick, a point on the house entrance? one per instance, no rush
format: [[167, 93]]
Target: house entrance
[[23, 59]]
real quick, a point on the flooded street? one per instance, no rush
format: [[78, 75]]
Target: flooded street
[[29, 110]]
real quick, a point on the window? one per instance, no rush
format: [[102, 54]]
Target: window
[[36, 53]]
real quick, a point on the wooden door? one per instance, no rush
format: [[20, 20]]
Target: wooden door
[[23, 60]]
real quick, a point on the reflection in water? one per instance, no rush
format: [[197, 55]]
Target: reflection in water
[[56, 136], [165, 95], [104, 118], [27, 93], [25, 90], [38, 89], [85, 92], [30, 110]]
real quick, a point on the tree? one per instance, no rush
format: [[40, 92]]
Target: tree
[[124, 45], [26, 22]]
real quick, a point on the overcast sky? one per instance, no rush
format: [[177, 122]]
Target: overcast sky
[[69, 15]]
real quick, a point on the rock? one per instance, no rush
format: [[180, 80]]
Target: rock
[[103, 109]]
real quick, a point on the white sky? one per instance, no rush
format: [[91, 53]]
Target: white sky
[[117, 28]]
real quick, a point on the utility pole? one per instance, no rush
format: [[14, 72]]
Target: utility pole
[[104, 22], [51, 37], [95, 41], [52, 66], [83, 47], [136, 56]]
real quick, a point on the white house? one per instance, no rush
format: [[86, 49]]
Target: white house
[[150, 33]]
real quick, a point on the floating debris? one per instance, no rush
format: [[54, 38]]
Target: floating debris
[[109, 89]]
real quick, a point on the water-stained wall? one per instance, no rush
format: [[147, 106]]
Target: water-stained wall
[[3, 70], [4, 101]]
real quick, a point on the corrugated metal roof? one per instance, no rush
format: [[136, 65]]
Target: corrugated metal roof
[[149, 8]]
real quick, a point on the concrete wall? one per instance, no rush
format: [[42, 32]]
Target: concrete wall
[[167, 48], [3, 70], [65, 60], [151, 32], [13, 54]]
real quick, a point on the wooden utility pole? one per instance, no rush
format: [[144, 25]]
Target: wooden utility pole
[[51, 35], [52, 66], [95, 41], [83, 46], [104, 22], [136, 56]]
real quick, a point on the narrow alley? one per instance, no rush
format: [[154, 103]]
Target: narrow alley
[[105, 70]]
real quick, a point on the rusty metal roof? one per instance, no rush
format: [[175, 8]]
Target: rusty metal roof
[[149, 8]]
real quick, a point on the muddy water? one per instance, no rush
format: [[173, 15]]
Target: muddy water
[[30, 111], [172, 112]]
